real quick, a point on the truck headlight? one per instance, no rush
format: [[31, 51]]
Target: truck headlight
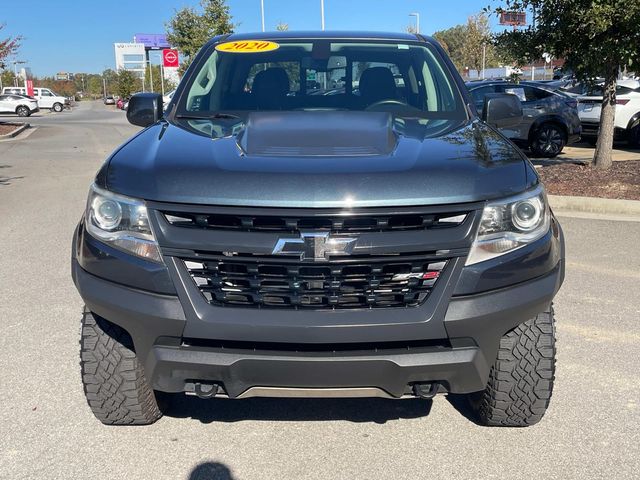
[[121, 222], [510, 224]]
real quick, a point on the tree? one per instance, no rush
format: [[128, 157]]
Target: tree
[[477, 43], [282, 27], [7, 77], [595, 37], [110, 79], [155, 72], [8, 46], [189, 29], [452, 40], [126, 83], [465, 43]]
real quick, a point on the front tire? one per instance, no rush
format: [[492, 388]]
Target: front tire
[[113, 377], [548, 141], [521, 379], [23, 111], [58, 107]]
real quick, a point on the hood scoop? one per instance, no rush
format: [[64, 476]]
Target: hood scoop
[[318, 133]]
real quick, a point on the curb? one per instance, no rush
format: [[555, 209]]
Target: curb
[[16, 132], [595, 205]]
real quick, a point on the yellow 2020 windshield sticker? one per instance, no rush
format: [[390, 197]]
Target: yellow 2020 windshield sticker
[[248, 46]]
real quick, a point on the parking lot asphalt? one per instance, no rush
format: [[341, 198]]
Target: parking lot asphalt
[[592, 429]]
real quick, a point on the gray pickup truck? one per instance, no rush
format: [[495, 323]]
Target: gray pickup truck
[[319, 215]]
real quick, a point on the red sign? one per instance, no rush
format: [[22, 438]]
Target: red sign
[[29, 85], [170, 58]]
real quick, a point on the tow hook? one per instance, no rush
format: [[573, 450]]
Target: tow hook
[[206, 390], [425, 390]]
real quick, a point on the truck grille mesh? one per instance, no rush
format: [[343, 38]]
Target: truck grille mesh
[[371, 283]]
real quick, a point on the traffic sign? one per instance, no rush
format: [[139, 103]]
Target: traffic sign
[[170, 58]]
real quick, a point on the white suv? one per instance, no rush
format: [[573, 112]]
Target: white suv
[[45, 97], [627, 121]]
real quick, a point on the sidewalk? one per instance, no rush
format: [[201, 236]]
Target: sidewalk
[[583, 153]]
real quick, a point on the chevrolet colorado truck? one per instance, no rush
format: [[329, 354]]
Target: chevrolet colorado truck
[[319, 214]]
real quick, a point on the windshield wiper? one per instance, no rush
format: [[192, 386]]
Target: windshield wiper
[[219, 115]]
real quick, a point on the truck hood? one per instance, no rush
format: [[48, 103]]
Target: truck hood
[[277, 160]]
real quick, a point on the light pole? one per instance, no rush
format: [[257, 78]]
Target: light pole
[[484, 57], [322, 13], [417, 15], [15, 70], [262, 13]]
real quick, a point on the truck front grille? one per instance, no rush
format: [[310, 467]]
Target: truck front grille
[[353, 222], [375, 282]]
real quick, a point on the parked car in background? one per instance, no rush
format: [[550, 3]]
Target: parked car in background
[[627, 119], [550, 119], [120, 104], [19, 104], [109, 100], [46, 98]]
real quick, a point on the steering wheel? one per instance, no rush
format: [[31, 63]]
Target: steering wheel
[[388, 101]]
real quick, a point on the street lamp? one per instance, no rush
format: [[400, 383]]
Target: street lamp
[[417, 15], [322, 13], [484, 57], [262, 13]]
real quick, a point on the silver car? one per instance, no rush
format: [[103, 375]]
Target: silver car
[[550, 119]]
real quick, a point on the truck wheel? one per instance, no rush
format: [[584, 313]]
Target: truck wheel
[[112, 375], [23, 111], [57, 107], [548, 141], [521, 379]]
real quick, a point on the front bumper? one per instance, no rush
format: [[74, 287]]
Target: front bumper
[[592, 129], [459, 362]]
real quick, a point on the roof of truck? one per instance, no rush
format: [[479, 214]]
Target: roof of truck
[[329, 34]]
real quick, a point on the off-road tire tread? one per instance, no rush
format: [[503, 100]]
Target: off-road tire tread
[[113, 377], [521, 380]]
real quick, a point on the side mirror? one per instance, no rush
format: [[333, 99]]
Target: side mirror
[[144, 109], [502, 110]]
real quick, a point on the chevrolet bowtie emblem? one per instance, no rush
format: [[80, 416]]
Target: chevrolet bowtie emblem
[[316, 246]]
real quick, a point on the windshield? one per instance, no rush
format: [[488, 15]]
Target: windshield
[[404, 79]]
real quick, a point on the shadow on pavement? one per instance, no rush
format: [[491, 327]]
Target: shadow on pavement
[[211, 471], [461, 404], [357, 410]]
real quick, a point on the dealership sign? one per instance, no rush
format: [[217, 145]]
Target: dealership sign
[[29, 85], [152, 40], [170, 58]]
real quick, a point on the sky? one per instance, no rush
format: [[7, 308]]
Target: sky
[[74, 36]]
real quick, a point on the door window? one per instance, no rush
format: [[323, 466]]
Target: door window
[[517, 91]]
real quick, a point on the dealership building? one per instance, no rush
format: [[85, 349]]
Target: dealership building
[[144, 50]]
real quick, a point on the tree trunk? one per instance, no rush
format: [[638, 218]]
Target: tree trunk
[[604, 148]]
